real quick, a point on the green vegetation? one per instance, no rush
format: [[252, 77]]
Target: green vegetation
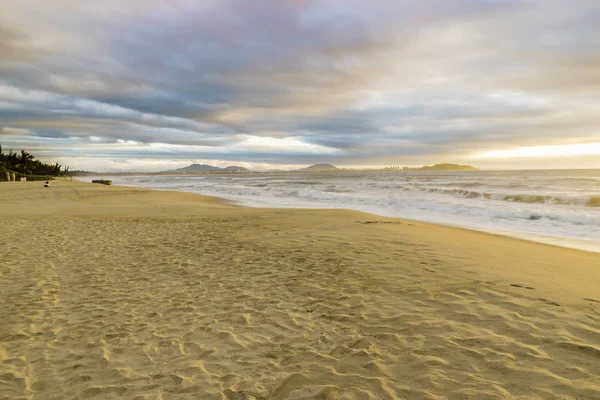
[[24, 164]]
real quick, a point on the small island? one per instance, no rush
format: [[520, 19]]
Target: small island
[[436, 167], [203, 168], [319, 168], [446, 167]]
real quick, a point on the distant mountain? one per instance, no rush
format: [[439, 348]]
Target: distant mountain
[[235, 168], [198, 168], [203, 168], [447, 167], [320, 167]]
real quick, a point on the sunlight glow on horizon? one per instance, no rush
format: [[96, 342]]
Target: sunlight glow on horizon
[[565, 150]]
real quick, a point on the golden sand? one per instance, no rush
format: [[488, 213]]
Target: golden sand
[[113, 292]]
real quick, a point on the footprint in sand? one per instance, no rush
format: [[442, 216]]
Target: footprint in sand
[[380, 222], [592, 300], [521, 286], [549, 302]]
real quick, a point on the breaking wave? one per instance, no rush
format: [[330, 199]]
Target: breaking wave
[[560, 204]]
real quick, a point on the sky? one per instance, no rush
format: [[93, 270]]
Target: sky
[[151, 85]]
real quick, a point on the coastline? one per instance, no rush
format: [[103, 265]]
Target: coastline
[[553, 240], [123, 291], [550, 240]]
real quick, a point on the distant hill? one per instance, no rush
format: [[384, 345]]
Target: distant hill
[[198, 168], [204, 168], [209, 169], [235, 168], [447, 167], [320, 167]]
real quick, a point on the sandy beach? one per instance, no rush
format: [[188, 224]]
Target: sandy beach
[[113, 292]]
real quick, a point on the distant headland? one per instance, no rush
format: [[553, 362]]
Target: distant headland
[[319, 168], [204, 168], [330, 168], [323, 167], [445, 167], [436, 167], [201, 169]]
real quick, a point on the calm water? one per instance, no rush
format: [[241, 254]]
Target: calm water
[[560, 207]]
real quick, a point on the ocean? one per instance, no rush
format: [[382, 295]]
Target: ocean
[[560, 207]]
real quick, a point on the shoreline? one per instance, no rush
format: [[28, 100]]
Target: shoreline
[[114, 291], [552, 240], [216, 202]]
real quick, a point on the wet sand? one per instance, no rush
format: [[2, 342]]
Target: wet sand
[[114, 292]]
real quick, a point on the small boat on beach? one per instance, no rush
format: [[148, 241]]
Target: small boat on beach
[[102, 181]]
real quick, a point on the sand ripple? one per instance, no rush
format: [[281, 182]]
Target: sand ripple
[[239, 307]]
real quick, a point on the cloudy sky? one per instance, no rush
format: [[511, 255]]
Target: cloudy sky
[[151, 85]]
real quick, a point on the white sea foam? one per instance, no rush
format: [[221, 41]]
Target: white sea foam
[[558, 207]]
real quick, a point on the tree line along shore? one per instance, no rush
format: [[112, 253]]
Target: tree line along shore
[[17, 165]]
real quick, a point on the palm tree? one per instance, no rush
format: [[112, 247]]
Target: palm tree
[[25, 160], [25, 157], [56, 169], [3, 157]]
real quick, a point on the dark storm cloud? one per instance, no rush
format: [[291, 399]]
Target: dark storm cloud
[[341, 81]]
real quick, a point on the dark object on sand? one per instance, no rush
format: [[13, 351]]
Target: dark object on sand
[[47, 184], [102, 181]]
